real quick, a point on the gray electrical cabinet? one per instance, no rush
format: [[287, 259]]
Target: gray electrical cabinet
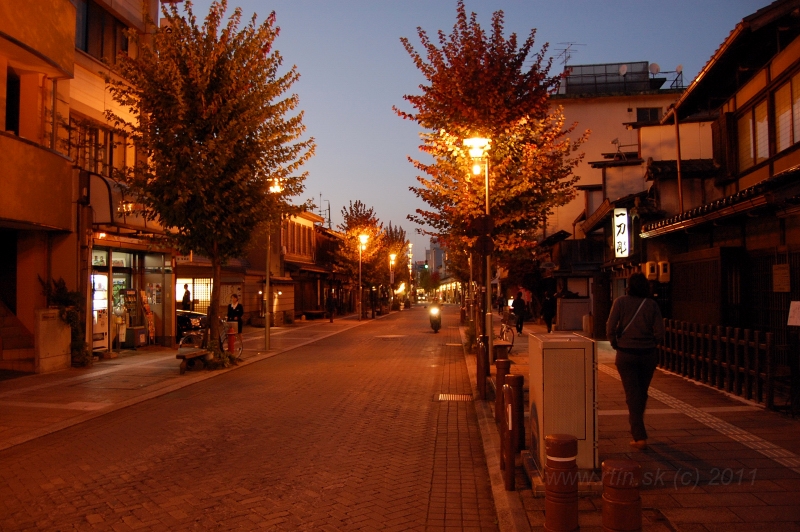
[[563, 394]]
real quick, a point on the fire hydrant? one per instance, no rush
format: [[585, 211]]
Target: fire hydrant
[[231, 338]]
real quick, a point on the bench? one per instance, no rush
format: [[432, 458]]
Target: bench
[[189, 357], [314, 314]]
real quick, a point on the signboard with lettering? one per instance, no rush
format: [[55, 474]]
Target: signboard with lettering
[[621, 238]]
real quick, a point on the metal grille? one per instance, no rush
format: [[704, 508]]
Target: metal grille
[[454, 397]]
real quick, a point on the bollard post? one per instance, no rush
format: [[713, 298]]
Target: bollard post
[[517, 382], [561, 483], [502, 368], [622, 505], [508, 438]]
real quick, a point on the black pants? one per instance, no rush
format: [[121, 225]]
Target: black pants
[[548, 320], [636, 368], [520, 320]]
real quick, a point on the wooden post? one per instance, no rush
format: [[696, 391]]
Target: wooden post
[[748, 383]]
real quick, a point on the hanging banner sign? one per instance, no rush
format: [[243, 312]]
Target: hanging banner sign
[[621, 239]]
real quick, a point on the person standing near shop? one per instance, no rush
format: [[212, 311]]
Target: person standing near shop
[[186, 303], [519, 308], [634, 328], [235, 313]]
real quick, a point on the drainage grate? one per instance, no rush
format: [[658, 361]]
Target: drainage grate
[[454, 397]]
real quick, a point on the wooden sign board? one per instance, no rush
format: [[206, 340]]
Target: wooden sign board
[[781, 278], [794, 313]]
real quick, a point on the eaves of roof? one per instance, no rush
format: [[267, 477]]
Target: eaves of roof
[[775, 190]]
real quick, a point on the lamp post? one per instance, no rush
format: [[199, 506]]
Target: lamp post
[[362, 244], [411, 286], [274, 188], [478, 149], [392, 257]]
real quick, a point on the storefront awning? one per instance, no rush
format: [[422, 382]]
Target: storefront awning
[[113, 206]]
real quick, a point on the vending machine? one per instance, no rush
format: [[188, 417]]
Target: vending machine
[[99, 311]]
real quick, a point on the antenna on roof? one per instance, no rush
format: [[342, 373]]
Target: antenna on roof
[[566, 53]]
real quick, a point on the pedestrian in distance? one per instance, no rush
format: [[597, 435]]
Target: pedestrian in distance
[[330, 306], [186, 302], [634, 328], [519, 308], [549, 310]]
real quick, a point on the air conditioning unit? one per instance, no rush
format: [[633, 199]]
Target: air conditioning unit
[[563, 394], [651, 270], [663, 272]]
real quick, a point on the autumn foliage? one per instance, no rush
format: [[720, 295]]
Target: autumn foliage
[[489, 86]]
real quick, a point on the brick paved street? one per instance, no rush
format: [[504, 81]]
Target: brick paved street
[[344, 433]]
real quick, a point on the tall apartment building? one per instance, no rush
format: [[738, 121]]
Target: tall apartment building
[[61, 213]]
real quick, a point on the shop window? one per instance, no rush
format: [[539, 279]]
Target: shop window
[[99, 257], [98, 32], [753, 136], [121, 260]]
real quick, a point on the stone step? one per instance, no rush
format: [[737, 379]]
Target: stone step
[[15, 338], [18, 353], [27, 365]]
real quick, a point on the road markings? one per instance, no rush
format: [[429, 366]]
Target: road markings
[[748, 439]]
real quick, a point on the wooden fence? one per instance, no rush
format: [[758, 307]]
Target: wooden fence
[[739, 361]]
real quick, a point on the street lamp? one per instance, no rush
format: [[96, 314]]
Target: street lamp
[[479, 149], [363, 243], [392, 257]]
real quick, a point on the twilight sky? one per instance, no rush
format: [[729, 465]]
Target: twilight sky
[[353, 69]]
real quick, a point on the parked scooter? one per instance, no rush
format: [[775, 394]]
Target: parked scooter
[[436, 318]]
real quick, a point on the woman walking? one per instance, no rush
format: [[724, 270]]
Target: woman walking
[[635, 327]]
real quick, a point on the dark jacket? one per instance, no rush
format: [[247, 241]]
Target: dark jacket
[[518, 306], [645, 331], [549, 307], [235, 314]]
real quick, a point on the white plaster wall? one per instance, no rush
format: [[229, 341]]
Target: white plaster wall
[[659, 143], [605, 117]]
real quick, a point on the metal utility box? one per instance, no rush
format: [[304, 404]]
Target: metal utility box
[[563, 394]]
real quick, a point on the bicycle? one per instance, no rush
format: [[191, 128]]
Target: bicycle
[[507, 325], [197, 338]]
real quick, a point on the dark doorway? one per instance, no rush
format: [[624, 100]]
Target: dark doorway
[[8, 269]]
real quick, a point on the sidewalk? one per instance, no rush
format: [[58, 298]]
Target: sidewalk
[[36, 405], [715, 462]]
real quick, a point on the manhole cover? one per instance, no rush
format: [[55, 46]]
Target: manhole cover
[[454, 397]]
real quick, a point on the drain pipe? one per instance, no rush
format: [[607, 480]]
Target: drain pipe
[[673, 110]]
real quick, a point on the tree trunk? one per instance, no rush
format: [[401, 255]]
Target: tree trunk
[[213, 308]]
